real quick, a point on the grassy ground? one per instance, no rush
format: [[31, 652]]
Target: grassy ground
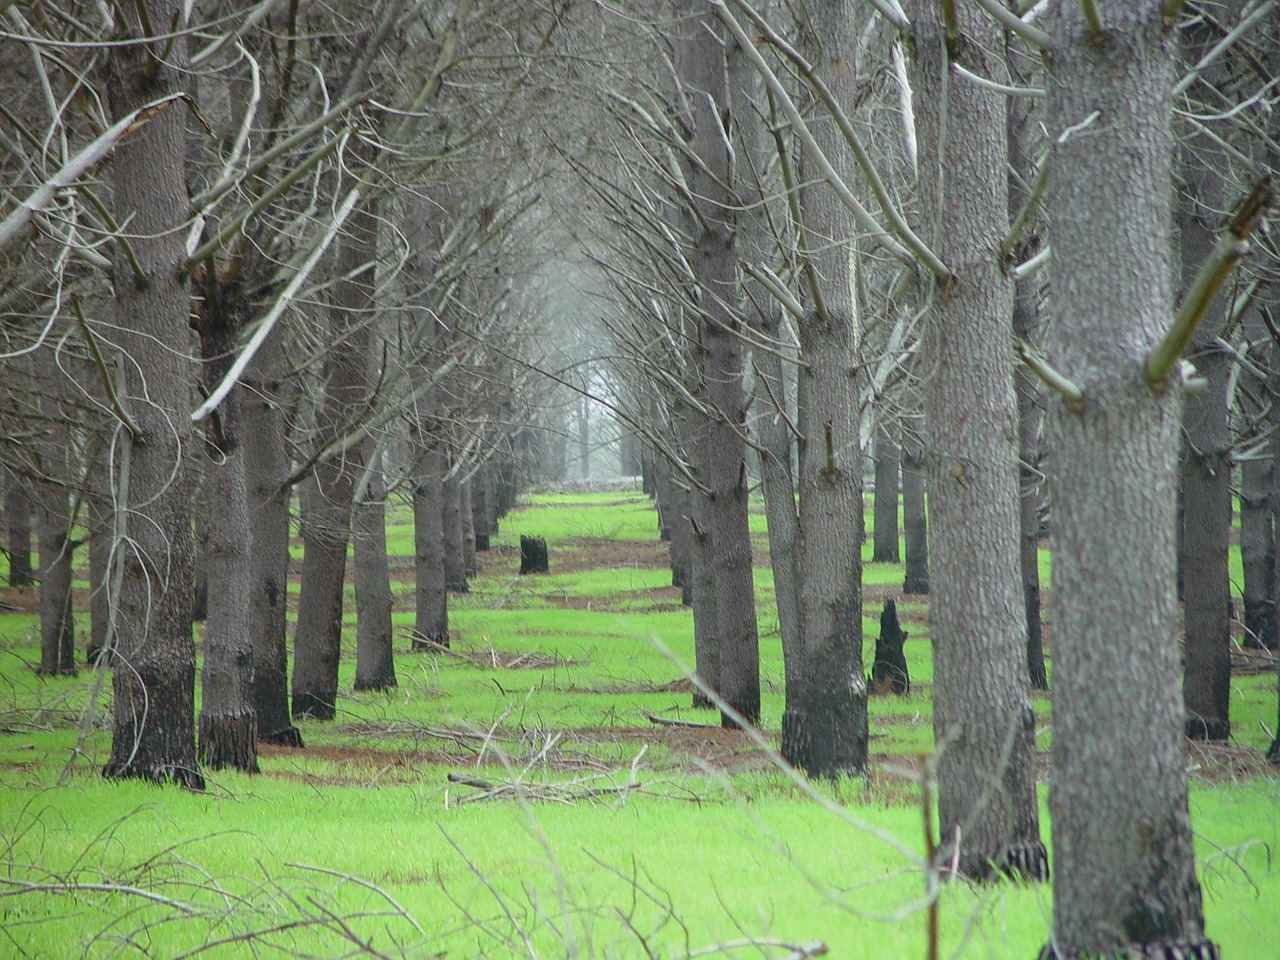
[[514, 798]]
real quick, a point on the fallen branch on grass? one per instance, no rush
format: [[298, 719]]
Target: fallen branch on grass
[[672, 722]]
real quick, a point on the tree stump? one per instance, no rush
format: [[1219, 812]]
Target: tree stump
[[533, 555], [889, 671]]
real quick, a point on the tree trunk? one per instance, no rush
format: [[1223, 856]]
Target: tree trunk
[[228, 720], [1257, 554], [431, 595], [1206, 464], [153, 733], [101, 538], [57, 622], [772, 427], [375, 662], [480, 520], [824, 730], [722, 513], [885, 515], [982, 719], [1125, 879], [914, 521], [455, 565], [17, 512], [468, 530], [1024, 150], [318, 636], [266, 461]]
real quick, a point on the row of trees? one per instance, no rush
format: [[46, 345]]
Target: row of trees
[[350, 250]]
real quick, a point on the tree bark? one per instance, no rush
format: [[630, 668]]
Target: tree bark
[[468, 530], [915, 540], [1024, 150], [884, 517], [57, 623], [17, 512], [431, 595], [1206, 464], [101, 538], [263, 407], [455, 565], [1125, 879], [153, 732], [824, 730], [228, 722], [318, 636], [375, 662], [982, 719], [480, 521], [710, 219]]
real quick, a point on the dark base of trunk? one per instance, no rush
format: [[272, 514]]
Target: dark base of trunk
[[18, 577], [749, 712], [56, 671], [374, 683], [1208, 728], [918, 585], [889, 669], [1027, 861], [885, 555], [702, 702], [430, 641], [1273, 752], [284, 737], [460, 586], [313, 706], [92, 654], [678, 576], [814, 745], [533, 555], [229, 740], [1165, 950], [686, 591], [136, 770], [482, 542], [1260, 626]]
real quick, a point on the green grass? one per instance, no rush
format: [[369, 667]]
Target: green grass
[[694, 856]]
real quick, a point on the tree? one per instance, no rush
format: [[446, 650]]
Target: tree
[[982, 718], [720, 514], [1124, 880], [153, 733]]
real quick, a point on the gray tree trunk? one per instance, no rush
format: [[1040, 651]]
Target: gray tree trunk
[[982, 719], [101, 536], [468, 530], [824, 730], [481, 522], [17, 513], [431, 595], [228, 722], [375, 663], [1023, 154], [772, 427], [263, 408], [1206, 464], [915, 524], [1257, 553], [885, 515], [722, 515], [1124, 878], [455, 563], [57, 622], [153, 732], [54, 522], [318, 636]]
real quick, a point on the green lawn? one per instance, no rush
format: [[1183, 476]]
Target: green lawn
[[614, 837]]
